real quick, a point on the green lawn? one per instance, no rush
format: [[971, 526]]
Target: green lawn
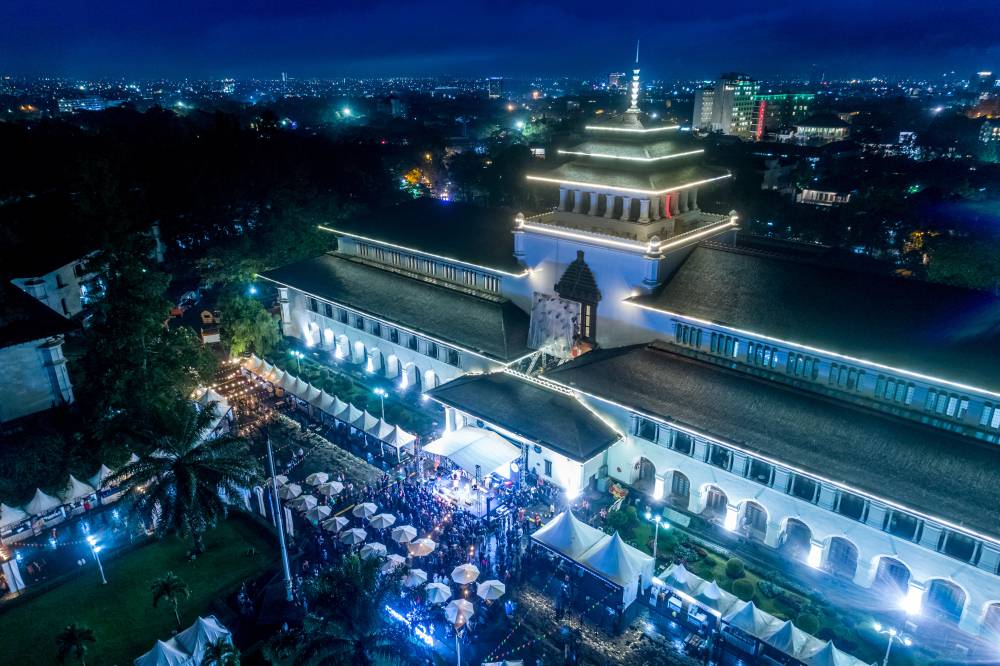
[[121, 614]]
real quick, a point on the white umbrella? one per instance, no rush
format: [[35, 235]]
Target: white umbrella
[[421, 547], [491, 589], [353, 536], [415, 578], [281, 480], [382, 521], [335, 524], [465, 573], [365, 510], [318, 513], [290, 491], [438, 593], [392, 561], [372, 549], [330, 488], [317, 478], [303, 503], [458, 611], [404, 533]]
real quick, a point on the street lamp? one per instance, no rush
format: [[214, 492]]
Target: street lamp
[[381, 393], [297, 355], [656, 534], [893, 635], [96, 549]]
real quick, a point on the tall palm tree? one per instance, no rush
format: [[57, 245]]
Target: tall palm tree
[[182, 483], [221, 652], [73, 640], [172, 588], [347, 622]]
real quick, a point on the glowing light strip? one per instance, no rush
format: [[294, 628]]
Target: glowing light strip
[[633, 159], [421, 252], [817, 350], [701, 233], [598, 128], [675, 188], [787, 466], [387, 322], [625, 245]]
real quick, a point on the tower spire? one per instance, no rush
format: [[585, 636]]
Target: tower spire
[[634, 91]]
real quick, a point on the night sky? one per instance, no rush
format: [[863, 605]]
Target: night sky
[[254, 38]]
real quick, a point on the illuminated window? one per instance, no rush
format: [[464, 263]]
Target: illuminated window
[[548, 467], [313, 305]]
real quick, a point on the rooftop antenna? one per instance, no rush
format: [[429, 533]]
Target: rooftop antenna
[[634, 92]]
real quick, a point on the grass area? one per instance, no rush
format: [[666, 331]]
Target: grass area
[[121, 614]]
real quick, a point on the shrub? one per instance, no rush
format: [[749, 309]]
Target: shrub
[[623, 520], [768, 589], [826, 634], [734, 568], [807, 622], [743, 589]]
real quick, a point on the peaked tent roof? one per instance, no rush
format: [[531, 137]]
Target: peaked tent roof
[[199, 635], [41, 503], [10, 515], [829, 655], [682, 580], [751, 619], [610, 559], [102, 473], [793, 641], [164, 654], [568, 535], [75, 490]]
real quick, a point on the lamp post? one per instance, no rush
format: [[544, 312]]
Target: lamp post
[[276, 506], [298, 365], [381, 393], [96, 550], [658, 519], [893, 635]]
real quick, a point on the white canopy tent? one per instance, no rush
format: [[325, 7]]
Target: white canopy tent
[[793, 641], [746, 617], [98, 479], [615, 560], [42, 504], [200, 635], [10, 515], [164, 653], [829, 655], [470, 447], [568, 535], [75, 490], [681, 580]]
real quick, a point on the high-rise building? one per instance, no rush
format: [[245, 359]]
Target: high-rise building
[[616, 80], [702, 118], [732, 106], [774, 110], [989, 141], [984, 83], [494, 87]]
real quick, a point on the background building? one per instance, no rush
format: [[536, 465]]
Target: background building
[[616, 80], [774, 110], [494, 87], [732, 104]]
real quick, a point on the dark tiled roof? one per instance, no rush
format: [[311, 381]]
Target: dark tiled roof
[[926, 469], [629, 120], [923, 327], [480, 236], [577, 282], [551, 418], [607, 145], [496, 329], [24, 318], [657, 178]]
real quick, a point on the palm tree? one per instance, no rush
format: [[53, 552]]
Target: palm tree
[[347, 622], [181, 483], [73, 640], [170, 587], [221, 652]]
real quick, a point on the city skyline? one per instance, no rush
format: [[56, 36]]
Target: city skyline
[[112, 39]]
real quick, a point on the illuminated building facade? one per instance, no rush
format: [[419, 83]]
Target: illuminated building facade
[[731, 105], [849, 421], [774, 110]]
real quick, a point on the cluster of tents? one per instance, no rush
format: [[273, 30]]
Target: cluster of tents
[[762, 627], [188, 647], [604, 555], [358, 419], [55, 508]]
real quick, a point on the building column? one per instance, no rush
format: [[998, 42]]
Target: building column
[[644, 210], [626, 209], [593, 204], [694, 199], [563, 201], [609, 210], [683, 203], [673, 204], [577, 201], [654, 208]]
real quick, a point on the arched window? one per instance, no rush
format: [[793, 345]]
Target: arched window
[[680, 490], [842, 558], [892, 576], [944, 599], [716, 502], [795, 539]]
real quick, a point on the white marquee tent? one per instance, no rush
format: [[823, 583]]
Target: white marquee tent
[[164, 653], [10, 515], [615, 560], [41, 503], [75, 490], [568, 535], [470, 446], [198, 636]]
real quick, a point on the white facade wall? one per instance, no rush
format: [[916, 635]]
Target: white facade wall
[[982, 586], [35, 378], [58, 289], [348, 343]]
